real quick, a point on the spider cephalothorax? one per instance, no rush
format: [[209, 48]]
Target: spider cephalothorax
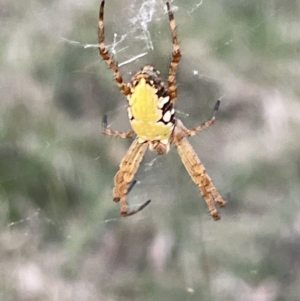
[[152, 116]]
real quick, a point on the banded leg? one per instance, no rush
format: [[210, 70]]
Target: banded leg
[[202, 126], [176, 55], [125, 175], [198, 174], [109, 132], [105, 55]]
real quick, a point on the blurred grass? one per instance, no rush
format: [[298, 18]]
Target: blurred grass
[[61, 234]]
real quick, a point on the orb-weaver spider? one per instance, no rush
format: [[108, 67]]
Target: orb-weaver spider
[[152, 117]]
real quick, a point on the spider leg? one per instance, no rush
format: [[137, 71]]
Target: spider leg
[[198, 174], [131, 185], [109, 132], [105, 55], [202, 126], [125, 175], [176, 55]]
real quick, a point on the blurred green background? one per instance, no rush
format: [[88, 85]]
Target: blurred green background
[[61, 236]]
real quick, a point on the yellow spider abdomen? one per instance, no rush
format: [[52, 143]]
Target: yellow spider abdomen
[[143, 102], [146, 114]]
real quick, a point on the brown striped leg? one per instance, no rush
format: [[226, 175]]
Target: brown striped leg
[[196, 130], [176, 55], [105, 55], [125, 175], [198, 174]]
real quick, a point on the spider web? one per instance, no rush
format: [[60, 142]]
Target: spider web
[[61, 235]]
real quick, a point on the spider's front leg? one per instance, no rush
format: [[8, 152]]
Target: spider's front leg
[[105, 54], [176, 55], [125, 175]]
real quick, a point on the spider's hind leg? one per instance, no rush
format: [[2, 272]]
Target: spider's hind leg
[[198, 174], [124, 177]]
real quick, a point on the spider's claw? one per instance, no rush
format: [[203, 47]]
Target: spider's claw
[[104, 122], [144, 205], [217, 105], [216, 108], [132, 212], [131, 185]]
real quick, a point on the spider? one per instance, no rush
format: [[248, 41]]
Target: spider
[[152, 117]]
